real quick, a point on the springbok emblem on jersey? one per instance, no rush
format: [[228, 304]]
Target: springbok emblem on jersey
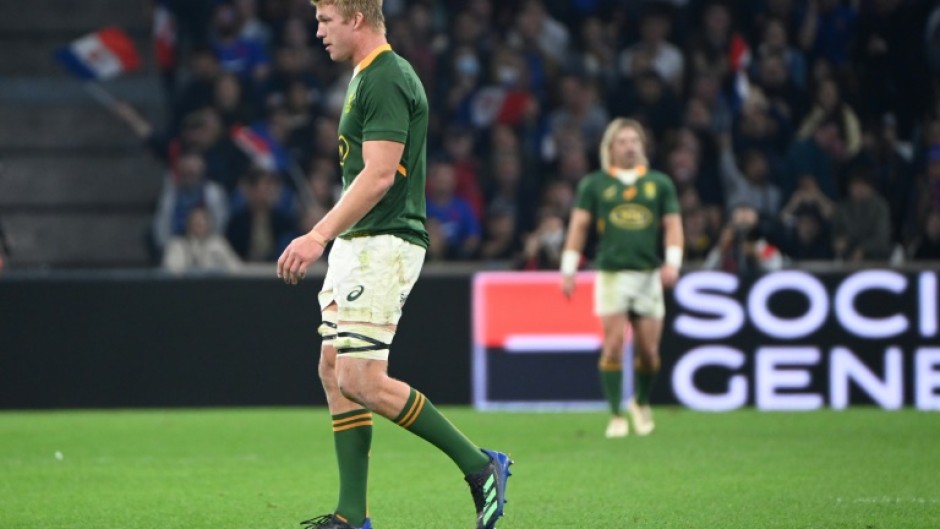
[[343, 149]]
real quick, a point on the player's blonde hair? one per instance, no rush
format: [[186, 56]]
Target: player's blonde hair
[[616, 126], [371, 11]]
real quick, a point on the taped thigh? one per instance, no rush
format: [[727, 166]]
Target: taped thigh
[[327, 328], [363, 341]]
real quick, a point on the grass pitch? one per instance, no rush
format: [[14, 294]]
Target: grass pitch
[[270, 468]]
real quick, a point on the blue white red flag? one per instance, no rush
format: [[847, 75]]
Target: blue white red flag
[[255, 146], [102, 55], [164, 36], [739, 58]]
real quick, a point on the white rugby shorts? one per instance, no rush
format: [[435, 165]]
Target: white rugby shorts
[[634, 292], [370, 278]]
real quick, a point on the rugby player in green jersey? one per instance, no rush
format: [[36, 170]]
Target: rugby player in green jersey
[[632, 208], [379, 248]]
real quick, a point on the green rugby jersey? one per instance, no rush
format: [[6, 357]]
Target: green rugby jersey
[[628, 219], [385, 100]]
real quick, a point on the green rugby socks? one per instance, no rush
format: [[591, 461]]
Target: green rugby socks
[[644, 377], [352, 436], [421, 418], [611, 374]]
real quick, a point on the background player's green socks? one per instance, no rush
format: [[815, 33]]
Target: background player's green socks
[[421, 418], [611, 374], [352, 436], [644, 379]]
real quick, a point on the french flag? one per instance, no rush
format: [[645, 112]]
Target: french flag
[[739, 58], [99, 56], [254, 146], [164, 36]]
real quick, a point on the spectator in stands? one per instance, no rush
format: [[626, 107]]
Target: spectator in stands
[[706, 88], [507, 97], [245, 57], [460, 148], [928, 187], [252, 27], [820, 155], [500, 240], [699, 236], [188, 190], [808, 236], [651, 101], [775, 42], [829, 106], [324, 182], [827, 29], [541, 249], [507, 191], [558, 195], [708, 48], [201, 132], [598, 52], [198, 90], [199, 249], [665, 58], [748, 180], [291, 65], [260, 230], [454, 216], [742, 246], [459, 85], [926, 246], [862, 224], [230, 102], [579, 111], [759, 126], [893, 173], [783, 100], [545, 42], [808, 194]]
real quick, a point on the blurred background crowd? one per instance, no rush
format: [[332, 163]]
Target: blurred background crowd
[[794, 130]]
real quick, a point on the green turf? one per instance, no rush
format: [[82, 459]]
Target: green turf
[[270, 468]]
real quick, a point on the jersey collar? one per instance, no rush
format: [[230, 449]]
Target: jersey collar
[[639, 170], [371, 57]]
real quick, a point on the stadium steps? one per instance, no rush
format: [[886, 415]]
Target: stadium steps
[[77, 189]]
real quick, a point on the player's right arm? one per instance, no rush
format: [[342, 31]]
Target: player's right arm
[[578, 226], [370, 185]]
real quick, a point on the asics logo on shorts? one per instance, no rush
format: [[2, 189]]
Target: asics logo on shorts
[[356, 292]]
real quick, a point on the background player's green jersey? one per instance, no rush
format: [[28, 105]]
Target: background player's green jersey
[[385, 100], [628, 218]]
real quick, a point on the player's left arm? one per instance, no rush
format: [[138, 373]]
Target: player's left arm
[[674, 240]]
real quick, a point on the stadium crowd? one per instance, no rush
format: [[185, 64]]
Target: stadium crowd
[[793, 129]]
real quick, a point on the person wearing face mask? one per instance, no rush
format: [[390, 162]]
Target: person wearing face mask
[[542, 248], [631, 206]]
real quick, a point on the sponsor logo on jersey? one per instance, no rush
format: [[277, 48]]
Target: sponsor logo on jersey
[[629, 193], [631, 217], [356, 292], [610, 193], [349, 103], [649, 189]]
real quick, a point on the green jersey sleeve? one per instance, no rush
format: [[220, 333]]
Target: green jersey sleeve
[[586, 198], [670, 199], [386, 115]]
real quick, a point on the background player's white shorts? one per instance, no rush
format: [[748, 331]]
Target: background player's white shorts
[[369, 278], [639, 293]]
